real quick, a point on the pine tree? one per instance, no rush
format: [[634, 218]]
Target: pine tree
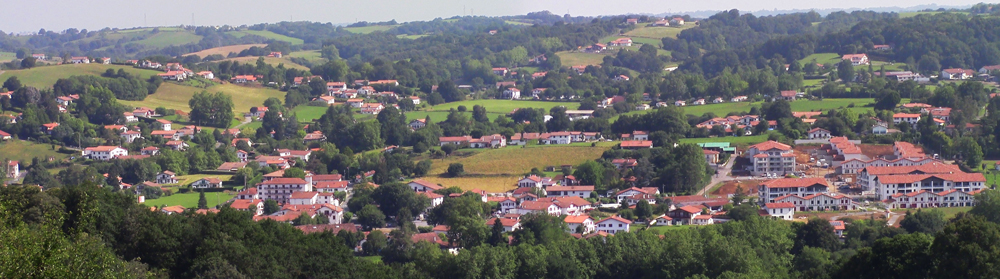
[[496, 237], [202, 202]]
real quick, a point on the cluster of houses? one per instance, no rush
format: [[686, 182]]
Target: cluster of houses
[[177, 72], [948, 74], [696, 102]]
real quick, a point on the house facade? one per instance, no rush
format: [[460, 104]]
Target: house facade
[[769, 191], [771, 157]]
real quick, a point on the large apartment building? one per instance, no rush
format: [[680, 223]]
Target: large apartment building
[[771, 157], [770, 191]]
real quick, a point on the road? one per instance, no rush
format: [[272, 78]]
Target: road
[[246, 120], [721, 176]]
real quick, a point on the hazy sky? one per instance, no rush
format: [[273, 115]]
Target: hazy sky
[[30, 15]]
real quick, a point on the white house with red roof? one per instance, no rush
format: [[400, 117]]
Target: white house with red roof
[[621, 42], [911, 118], [818, 133], [579, 224], [420, 185], [856, 59], [574, 191], [887, 185], [13, 170], [4, 135], [511, 93], [509, 224], [819, 202], [247, 204], [956, 73], [104, 153], [769, 191], [838, 227], [435, 198], [416, 124], [711, 156], [530, 181], [623, 194], [780, 210], [771, 157], [79, 60], [788, 95], [506, 203], [926, 199], [613, 225]]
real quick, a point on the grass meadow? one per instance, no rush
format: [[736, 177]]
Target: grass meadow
[[46, 76], [174, 96]]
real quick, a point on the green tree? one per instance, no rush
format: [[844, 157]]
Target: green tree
[[902, 256], [987, 205], [375, 242], [422, 168], [845, 71], [270, 207], [966, 248], [888, 101], [214, 110], [923, 221], [202, 202], [496, 234], [28, 63], [816, 233], [330, 52], [590, 173], [969, 150], [456, 169], [643, 210], [294, 173], [12, 84], [371, 217], [540, 229]]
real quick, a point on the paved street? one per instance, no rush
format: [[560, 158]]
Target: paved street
[[722, 176]]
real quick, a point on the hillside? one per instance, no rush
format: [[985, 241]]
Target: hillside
[[269, 60], [174, 96], [266, 34], [44, 77], [224, 51]]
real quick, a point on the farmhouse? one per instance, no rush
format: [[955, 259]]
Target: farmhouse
[[955, 73], [636, 144], [79, 60], [579, 224], [243, 79], [576, 191], [208, 182], [416, 124], [511, 93], [788, 95], [818, 133], [419, 185], [989, 69], [856, 59], [104, 153], [911, 118], [780, 210], [613, 224], [530, 181], [623, 194]]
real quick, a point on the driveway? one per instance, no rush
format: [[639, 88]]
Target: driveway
[[722, 175]]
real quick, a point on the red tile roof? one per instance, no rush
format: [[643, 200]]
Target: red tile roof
[[637, 143], [570, 188], [768, 145], [910, 178], [616, 218], [429, 185], [795, 182], [576, 219], [779, 205]]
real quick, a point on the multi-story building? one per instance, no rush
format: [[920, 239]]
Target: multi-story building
[[281, 189], [819, 202], [925, 199], [771, 157], [887, 185], [769, 191], [104, 153]]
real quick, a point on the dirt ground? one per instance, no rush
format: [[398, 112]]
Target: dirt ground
[[802, 153], [749, 187], [875, 150]]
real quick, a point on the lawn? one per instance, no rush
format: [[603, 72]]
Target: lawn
[[660, 230], [24, 151], [368, 29], [411, 37], [267, 34], [949, 212], [190, 199], [822, 58], [45, 77], [497, 170], [800, 105], [307, 113], [7, 56], [191, 178], [635, 40], [273, 61], [502, 106], [166, 38], [174, 96], [438, 116], [224, 51], [733, 140], [658, 32], [913, 14], [312, 55], [573, 58]]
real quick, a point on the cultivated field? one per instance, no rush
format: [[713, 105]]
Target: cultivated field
[[659, 31], [573, 58], [497, 170], [312, 55], [913, 14], [266, 34], [173, 96], [368, 29], [273, 61], [165, 39], [190, 199], [502, 106], [821, 58], [306, 113], [45, 77], [224, 51], [7, 56], [24, 151]]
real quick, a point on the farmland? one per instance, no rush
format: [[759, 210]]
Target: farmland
[[498, 169], [24, 151], [574, 58], [821, 58], [174, 96], [438, 116], [191, 178], [312, 55], [7, 56], [368, 29], [800, 105], [307, 113], [190, 199], [165, 39], [502, 106], [273, 61], [658, 32], [224, 51], [266, 34], [45, 77]]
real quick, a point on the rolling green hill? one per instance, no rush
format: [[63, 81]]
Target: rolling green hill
[[266, 34], [45, 77], [175, 96], [368, 29]]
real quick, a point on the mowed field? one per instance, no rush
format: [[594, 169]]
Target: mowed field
[[190, 199], [800, 105], [7, 56], [45, 77], [659, 32], [312, 55], [306, 113], [273, 61], [821, 58], [368, 29], [267, 34], [574, 58], [497, 170], [438, 116], [174, 96], [24, 151], [168, 38], [224, 51], [502, 106]]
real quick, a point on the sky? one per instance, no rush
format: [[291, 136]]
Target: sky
[[59, 15]]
